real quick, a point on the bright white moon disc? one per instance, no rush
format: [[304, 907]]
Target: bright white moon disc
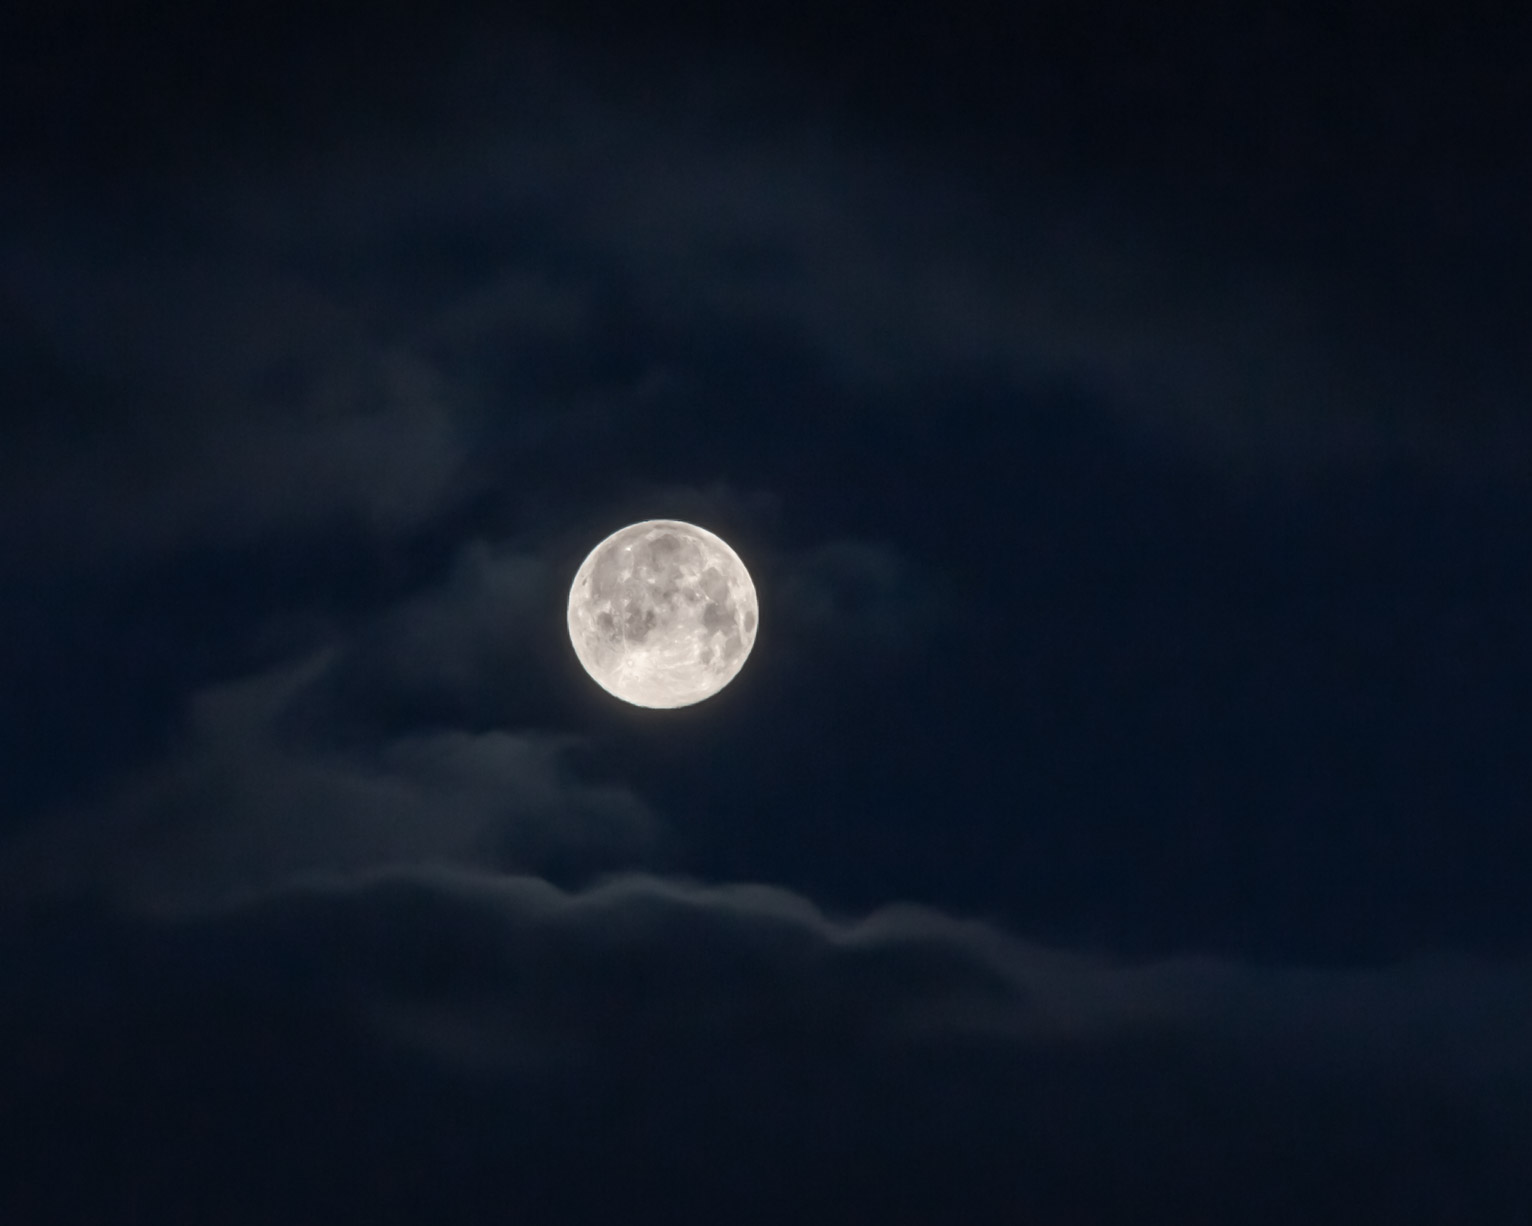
[[662, 613]]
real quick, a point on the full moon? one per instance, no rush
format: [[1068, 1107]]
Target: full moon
[[662, 614]]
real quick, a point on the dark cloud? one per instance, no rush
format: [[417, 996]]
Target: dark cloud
[[478, 649], [435, 1046], [241, 806], [164, 406], [385, 332]]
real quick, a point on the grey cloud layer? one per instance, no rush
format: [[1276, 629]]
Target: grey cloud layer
[[698, 1044], [243, 806], [756, 955]]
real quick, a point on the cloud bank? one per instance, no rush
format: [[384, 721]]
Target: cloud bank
[[426, 1045]]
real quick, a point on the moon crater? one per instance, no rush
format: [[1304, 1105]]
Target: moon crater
[[662, 613]]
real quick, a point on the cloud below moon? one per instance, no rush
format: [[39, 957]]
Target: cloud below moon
[[697, 1041]]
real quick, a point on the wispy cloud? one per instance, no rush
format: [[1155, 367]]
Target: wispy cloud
[[242, 806]]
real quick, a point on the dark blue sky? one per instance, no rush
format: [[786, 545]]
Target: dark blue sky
[[1122, 412]]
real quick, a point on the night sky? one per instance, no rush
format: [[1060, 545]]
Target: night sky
[[1123, 411]]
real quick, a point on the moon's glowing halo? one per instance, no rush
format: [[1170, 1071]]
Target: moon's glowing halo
[[662, 613]]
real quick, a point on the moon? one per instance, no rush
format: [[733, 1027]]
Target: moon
[[662, 614]]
